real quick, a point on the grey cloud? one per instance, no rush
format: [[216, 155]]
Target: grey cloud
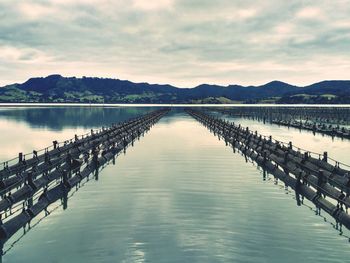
[[185, 43]]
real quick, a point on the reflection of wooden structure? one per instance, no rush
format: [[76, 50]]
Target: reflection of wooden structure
[[313, 178], [29, 186]]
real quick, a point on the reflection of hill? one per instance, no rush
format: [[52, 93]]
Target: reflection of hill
[[58, 118]]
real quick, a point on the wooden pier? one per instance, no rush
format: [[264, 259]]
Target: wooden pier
[[325, 184], [29, 185]]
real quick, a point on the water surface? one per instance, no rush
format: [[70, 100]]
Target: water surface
[[178, 195]]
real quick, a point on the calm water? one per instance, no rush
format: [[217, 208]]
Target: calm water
[[178, 195]]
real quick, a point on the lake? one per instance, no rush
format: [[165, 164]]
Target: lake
[[178, 195]]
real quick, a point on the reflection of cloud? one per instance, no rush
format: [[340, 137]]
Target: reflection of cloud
[[14, 138], [173, 41]]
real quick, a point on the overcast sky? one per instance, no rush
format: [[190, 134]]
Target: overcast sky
[[180, 42]]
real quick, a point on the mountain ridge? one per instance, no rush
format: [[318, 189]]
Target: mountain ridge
[[56, 88]]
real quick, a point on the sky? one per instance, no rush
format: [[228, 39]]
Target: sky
[[180, 42]]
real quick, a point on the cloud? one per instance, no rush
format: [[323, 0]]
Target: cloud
[[310, 13], [22, 55], [34, 11], [152, 5], [181, 42]]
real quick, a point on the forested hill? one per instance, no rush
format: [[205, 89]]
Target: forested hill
[[56, 88]]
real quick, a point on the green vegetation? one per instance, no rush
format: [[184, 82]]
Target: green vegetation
[[314, 99], [213, 100], [56, 88]]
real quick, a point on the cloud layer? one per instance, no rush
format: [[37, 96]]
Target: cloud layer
[[181, 42]]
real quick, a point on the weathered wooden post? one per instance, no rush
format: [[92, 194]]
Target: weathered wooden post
[[285, 159], [69, 160], [95, 162], [325, 157], [55, 143], [65, 200], [297, 189], [306, 156], [20, 157], [320, 181], [124, 143]]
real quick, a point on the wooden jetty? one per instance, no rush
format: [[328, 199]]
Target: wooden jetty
[[326, 185], [30, 185], [304, 119]]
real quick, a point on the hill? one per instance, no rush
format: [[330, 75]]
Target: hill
[[56, 88]]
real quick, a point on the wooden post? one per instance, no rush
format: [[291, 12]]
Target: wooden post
[[285, 157], [325, 156], [47, 157], [69, 159], [65, 177], [265, 158], [320, 181]]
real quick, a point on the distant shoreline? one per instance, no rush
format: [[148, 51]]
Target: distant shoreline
[[57, 89], [3, 105]]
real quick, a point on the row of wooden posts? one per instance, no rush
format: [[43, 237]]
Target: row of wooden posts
[[30, 186], [280, 116], [316, 179], [323, 115]]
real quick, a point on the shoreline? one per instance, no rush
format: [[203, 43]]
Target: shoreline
[[7, 105]]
